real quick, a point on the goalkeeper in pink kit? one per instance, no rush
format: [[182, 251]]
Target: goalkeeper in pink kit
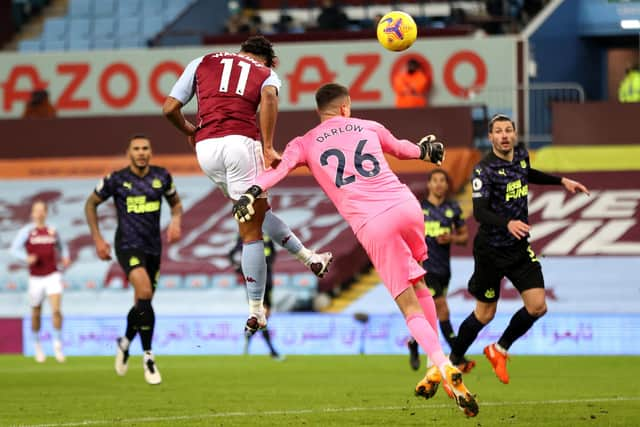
[[346, 157]]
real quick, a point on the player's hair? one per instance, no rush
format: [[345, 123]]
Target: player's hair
[[329, 93], [437, 171], [500, 118], [259, 46], [138, 136]]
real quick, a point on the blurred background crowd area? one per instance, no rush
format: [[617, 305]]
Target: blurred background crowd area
[[53, 25]]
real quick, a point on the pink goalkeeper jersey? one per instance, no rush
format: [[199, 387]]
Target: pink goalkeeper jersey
[[345, 155]]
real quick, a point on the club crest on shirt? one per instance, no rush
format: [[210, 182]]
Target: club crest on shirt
[[156, 183]]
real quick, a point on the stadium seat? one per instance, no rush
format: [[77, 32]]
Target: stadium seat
[[81, 282], [303, 280], [104, 28], [197, 281], [170, 281], [32, 45], [80, 8], [128, 27], [281, 280], [104, 9], [116, 283], [128, 8], [225, 281], [54, 45], [106, 43], [54, 29], [304, 285], [174, 9], [152, 8], [79, 28], [131, 42], [16, 284], [151, 25]]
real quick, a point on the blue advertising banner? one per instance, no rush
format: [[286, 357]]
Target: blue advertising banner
[[554, 334]]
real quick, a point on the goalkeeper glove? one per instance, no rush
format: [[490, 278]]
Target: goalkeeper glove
[[243, 209], [431, 150]]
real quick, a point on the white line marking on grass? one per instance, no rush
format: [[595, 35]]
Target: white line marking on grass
[[322, 411]]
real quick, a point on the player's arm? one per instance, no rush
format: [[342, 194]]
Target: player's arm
[[460, 234], [63, 250], [103, 249], [268, 116], [172, 110], [428, 149], [292, 157], [18, 249], [180, 95], [174, 231], [538, 177]]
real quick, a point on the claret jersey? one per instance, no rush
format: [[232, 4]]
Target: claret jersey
[[228, 88]]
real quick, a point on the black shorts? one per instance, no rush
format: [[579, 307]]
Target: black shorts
[[437, 284], [131, 259], [518, 263]]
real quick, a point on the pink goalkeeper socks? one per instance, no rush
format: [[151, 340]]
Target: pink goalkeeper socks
[[427, 337]]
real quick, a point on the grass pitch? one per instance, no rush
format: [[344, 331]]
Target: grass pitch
[[315, 391]]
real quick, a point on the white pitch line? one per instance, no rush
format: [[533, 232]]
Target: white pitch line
[[322, 411]]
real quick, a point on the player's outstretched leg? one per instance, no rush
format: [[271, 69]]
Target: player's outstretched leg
[[498, 358], [414, 354], [280, 232]]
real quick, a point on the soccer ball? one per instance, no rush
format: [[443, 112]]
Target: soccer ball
[[397, 31]]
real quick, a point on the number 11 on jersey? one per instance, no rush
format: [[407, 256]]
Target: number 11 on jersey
[[245, 67]]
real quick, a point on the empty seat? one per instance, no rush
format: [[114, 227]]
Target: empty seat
[[80, 8], [197, 281], [151, 26], [129, 42], [128, 27], [15, 284], [104, 28], [127, 8], [170, 281], [104, 8], [103, 43], [54, 29], [79, 44], [79, 28], [54, 45], [303, 280], [174, 9], [225, 281], [152, 8], [281, 280], [32, 45]]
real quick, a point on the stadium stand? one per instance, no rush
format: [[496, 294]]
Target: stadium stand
[[105, 24]]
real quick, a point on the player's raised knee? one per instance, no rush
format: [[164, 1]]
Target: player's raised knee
[[538, 310]]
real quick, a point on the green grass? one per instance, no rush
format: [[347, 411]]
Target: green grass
[[314, 391]]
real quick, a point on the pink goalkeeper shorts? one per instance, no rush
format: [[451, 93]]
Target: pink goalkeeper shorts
[[394, 241]]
